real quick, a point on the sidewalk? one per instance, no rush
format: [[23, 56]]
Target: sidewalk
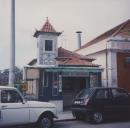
[[65, 116]]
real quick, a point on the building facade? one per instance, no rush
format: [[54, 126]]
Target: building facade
[[58, 74], [111, 50]]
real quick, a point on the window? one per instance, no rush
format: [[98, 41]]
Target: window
[[93, 79], [127, 62], [55, 84], [48, 45], [119, 93], [54, 91], [102, 94], [10, 96], [45, 79], [55, 79], [85, 93]]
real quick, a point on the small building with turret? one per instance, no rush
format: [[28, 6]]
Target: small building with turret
[[57, 74]]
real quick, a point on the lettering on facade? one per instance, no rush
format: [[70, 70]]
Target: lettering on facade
[[60, 83]]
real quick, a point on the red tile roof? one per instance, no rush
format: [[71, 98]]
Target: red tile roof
[[33, 62], [68, 58], [122, 30], [47, 28], [64, 53]]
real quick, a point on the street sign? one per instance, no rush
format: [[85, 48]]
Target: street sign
[[24, 87]]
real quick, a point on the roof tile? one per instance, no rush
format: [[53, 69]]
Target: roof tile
[[47, 27], [68, 58]]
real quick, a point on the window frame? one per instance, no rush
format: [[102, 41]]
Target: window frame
[[45, 79], [118, 90], [10, 91], [54, 88], [106, 94], [55, 85], [48, 45]]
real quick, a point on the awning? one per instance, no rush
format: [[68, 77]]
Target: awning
[[73, 69]]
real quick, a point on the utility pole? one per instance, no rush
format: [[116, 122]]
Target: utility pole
[[12, 45]]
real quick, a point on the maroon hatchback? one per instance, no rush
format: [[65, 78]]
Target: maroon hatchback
[[97, 104]]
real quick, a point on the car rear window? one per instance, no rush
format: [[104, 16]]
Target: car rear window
[[85, 93], [119, 93]]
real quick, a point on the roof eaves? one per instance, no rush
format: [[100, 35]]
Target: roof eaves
[[37, 33], [121, 27], [32, 62], [78, 65], [112, 32]]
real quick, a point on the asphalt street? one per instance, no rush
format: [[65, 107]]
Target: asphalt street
[[80, 124]]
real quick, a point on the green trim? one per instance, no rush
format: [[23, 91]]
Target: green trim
[[73, 69]]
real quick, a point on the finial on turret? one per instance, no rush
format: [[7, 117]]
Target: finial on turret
[[47, 19]]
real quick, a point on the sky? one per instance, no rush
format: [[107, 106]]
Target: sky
[[92, 17]]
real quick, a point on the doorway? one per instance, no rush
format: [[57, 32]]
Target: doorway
[[71, 86]]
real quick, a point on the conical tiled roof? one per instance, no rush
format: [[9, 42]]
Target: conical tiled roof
[[47, 28]]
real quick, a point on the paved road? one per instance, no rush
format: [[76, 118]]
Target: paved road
[[80, 124]]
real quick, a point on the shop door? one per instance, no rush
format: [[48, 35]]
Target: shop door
[[71, 86]]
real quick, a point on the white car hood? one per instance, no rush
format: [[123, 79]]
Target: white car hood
[[40, 104]]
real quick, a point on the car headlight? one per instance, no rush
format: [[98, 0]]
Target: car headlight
[[84, 102]]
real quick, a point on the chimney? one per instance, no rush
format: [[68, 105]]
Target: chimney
[[79, 38]]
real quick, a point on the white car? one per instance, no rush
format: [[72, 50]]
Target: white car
[[15, 110]]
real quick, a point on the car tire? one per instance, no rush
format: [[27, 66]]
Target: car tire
[[78, 117], [46, 121], [96, 117]]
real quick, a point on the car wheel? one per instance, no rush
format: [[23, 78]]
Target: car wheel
[[96, 117], [46, 121], [78, 117]]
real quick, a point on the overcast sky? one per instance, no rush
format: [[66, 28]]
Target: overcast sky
[[92, 17]]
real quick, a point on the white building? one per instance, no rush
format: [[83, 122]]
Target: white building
[[57, 74], [111, 50]]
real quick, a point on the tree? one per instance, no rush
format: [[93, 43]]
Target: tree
[[4, 76]]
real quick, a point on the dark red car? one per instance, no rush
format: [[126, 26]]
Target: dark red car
[[97, 104]]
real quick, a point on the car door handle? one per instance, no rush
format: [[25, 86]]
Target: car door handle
[[4, 106]]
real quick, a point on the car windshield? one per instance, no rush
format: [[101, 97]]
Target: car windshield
[[85, 93]]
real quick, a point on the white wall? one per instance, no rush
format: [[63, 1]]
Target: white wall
[[41, 53], [93, 48], [98, 51], [100, 59]]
